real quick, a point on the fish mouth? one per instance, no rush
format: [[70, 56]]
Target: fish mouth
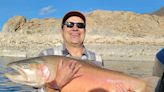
[[18, 75], [15, 74]]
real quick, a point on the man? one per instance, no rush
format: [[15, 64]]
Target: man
[[73, 30], [159, 70]]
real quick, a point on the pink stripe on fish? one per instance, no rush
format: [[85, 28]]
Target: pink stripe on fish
[[44, 71]]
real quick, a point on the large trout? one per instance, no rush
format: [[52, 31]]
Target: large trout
[[39, 70]]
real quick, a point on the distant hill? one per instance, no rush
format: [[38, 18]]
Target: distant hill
[[159, 12]]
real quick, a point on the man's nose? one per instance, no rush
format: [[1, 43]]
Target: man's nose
[[75, 28]]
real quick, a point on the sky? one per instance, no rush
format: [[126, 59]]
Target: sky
[[57, 8]]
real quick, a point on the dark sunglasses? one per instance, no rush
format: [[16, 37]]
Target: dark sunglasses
[[71, 24]]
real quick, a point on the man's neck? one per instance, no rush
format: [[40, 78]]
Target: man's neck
[[75, 51]]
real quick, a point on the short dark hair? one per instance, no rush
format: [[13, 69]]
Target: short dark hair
[[72, 13]]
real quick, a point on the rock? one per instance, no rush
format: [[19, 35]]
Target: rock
[[124, 23], [159, 12], [14, 24], [40, 25], [161, 22], [21, 25], [100, 22]]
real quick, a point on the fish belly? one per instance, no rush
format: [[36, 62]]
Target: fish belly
[[99, 82]]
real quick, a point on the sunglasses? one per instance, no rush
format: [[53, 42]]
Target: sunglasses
[[71, 24]]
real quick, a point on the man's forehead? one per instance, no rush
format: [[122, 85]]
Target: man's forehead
[[75, 19]]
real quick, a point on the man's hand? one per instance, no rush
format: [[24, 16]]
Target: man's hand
[[65, 73]]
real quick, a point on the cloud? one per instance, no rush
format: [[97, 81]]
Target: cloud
[[89, 11], [47, 10]]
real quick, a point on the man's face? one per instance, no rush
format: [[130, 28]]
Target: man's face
[[73, 33]]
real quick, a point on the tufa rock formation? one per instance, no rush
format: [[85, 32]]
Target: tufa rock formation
[[22, 25], [98, 22], [128, 23], [159, 12], [14, 24]]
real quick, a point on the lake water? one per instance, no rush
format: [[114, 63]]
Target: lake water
[[5, 84]]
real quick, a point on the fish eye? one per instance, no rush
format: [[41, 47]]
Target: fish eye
[[25, 66]]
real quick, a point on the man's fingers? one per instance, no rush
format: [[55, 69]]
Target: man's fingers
[[77, 75], [76, 68], [60, 64], [72, 64]]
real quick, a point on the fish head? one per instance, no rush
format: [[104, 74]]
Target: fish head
[[31, 72]]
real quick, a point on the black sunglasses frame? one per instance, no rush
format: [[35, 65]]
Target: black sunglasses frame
[[71, 24]]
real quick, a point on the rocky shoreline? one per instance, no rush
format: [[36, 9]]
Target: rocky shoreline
[[32, 44]]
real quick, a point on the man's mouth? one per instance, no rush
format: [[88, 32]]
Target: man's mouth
[[75, 35]]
